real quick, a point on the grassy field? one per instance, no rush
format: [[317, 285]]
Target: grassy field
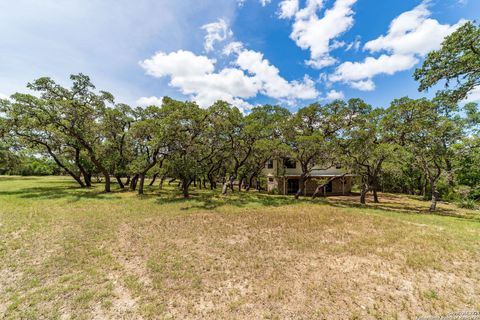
[[72, 253]]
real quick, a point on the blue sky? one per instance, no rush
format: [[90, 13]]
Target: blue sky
[[248, 52]]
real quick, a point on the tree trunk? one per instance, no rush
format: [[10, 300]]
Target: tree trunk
[[321, 187], [250, 182], [141, 178], [61, 165], [211, 180], [119, 180], [185, 185], [87, 177], [161, 182], [374, 190], [107, 181], [228, 184], [433, 205], [133, 182], [375, 195], [301, 186], [127, 183], [363, 193], [153, 179], [79, 180], [240, 184]]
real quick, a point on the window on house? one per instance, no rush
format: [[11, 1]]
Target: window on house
[[270, 179], [290, 163], [269, 164]]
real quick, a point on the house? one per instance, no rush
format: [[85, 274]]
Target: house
[[283, 177]]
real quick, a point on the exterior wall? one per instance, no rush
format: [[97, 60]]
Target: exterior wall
[[278, 176], [279, 170]]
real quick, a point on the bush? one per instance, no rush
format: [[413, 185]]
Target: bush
[[468, 204]]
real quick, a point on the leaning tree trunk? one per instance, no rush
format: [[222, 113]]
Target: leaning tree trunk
[[133, 182], [153, 179], [119, 180], [321, 187], [61, 165], [162, 179]]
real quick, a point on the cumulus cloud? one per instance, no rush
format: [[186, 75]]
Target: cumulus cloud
[[335, 95], [216, 32], [288, 8], [359, 74], [150, 101], [316, 34], [180, 63], [249, 75], [413, 32], [410, 37]]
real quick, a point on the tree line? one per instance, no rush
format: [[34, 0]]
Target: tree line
[[417, 146]]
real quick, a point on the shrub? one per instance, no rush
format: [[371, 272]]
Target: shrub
[[468, 203]]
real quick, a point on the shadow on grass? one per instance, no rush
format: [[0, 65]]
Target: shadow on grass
[[395, 204], [212, 200], [58, 192]]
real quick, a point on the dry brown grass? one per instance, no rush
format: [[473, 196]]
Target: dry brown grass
[[70, 253]]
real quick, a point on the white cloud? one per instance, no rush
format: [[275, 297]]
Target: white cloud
[[232, 47], [180, 63], [3, 96], [150, 101], [216, 32], [288, 8], [355, 45], [318, 34], [363, 85], [335, 95], [413, 32], [240, 3], [272, 84], [251, 74], [410, 37], [370, 67]]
